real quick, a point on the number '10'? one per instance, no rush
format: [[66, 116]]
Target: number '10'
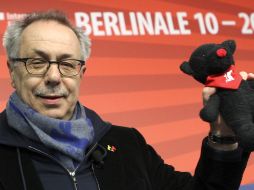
[[207, 23]]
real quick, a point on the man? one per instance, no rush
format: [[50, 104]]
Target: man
[[50, 141]]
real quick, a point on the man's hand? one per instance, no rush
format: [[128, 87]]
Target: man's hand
[[219, 128]]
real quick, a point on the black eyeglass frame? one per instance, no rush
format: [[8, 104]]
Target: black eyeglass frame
[[24, 60]]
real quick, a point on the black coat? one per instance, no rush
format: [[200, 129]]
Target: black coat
[[130, 165]]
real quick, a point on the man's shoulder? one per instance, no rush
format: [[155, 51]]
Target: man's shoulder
[[123, 136], [121, 131], [115, 131], [3, 116]]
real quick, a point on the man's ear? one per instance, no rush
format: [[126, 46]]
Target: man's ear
[[82, 71], [185, 67], [12, 75], [230, 44], [9, 66]]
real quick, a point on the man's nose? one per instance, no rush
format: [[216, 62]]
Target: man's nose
[[53, 75]]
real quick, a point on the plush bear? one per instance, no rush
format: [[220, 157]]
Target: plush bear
[[213, 65]]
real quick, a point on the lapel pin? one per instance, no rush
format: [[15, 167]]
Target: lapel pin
[[111, 148]]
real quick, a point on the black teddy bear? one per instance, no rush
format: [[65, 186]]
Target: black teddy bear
[[213, 65]]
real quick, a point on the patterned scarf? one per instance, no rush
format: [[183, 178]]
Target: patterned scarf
[[70, 137]]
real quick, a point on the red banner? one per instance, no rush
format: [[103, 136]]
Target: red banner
[[133, 75]]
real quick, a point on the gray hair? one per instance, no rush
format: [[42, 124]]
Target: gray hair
[[11, 38]]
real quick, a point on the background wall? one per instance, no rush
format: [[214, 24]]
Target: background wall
[[133, 75]]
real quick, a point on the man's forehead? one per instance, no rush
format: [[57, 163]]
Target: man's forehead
[[49, 31], [49, 37]]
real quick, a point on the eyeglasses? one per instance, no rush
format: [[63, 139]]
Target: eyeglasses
[[39, 66]]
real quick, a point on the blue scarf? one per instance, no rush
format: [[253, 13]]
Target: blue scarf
[[70, 137]]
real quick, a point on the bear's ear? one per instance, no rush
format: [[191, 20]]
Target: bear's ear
[[230, 44], [185, 67]]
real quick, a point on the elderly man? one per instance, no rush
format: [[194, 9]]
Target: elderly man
[[50, 141]]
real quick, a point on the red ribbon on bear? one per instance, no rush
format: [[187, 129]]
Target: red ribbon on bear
[[228, 80]]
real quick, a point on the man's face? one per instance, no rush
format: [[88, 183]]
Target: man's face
[[52, 95]]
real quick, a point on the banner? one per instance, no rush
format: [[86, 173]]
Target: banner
[[133, 76]]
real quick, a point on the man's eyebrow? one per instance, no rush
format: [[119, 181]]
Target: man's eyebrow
[[64, 56], [46, 56], [41, 53]]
